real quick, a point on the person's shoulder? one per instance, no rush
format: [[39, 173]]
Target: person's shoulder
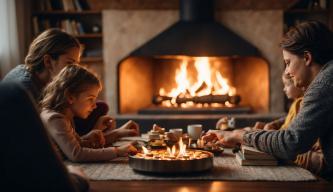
[[326, 74], [19, 73], [323, 82]]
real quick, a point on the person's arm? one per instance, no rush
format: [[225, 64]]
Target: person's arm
[[130, 128], [93, 139], [65, 137], [274, 125], [312, 121]]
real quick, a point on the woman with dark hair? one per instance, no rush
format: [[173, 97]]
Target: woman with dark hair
[[308, 56]]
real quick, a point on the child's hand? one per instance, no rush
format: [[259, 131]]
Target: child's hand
[[128, 129], [95, 139], [271, 126], [105, 123], [124, 150]]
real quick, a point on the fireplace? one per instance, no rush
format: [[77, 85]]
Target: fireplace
[[144, 52], [194, 64], [246, 77]]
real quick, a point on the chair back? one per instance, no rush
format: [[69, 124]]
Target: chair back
[[28, 159]]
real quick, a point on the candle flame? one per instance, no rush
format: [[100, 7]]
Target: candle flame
[[145, 150]]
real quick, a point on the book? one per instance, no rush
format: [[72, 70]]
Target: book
[[80, 28], [254, 162], [35, 25], [77, 5], [251, 156], [253, 153]]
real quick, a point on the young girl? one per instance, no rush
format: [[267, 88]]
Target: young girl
[[73, 93], [292, 92]]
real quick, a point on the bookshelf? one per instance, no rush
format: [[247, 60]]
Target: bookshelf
[[305, 10], [76, 17]]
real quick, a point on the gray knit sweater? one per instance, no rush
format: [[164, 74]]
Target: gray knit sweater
[[22, 75], [314, 120]]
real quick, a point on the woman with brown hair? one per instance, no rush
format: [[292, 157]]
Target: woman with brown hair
[[308, 55], [49, 52]]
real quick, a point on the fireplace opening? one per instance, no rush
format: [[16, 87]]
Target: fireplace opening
[[193, 85]]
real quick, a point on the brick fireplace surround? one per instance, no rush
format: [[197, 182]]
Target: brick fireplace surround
[[126, 30]]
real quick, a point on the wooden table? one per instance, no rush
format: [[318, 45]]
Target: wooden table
[[205, 186], [210, 186]]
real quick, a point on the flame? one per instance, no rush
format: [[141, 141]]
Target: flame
[[145, 150], [180, 153], [172, 153], [182, 148], [208, 81], [202, 66]]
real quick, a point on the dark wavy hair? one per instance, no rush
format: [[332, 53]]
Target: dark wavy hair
[[53, 42], [311, 36], [72, 79]]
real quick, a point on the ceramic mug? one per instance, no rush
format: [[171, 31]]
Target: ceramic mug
[[194, 131], [178, 132]]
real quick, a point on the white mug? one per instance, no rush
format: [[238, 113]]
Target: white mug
[[194, 131]]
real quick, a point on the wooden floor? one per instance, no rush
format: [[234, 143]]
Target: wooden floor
[[205, 186]]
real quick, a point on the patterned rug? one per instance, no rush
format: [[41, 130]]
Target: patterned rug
[[225, 168]]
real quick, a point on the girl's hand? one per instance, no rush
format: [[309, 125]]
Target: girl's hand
[[128, 129], [271, 126], [126, 149], [95, 139], [259, 125], [105, 123]]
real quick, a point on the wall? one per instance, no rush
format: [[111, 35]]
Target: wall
[[263, 29]]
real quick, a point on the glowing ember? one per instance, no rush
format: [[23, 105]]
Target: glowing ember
[[209, 81]]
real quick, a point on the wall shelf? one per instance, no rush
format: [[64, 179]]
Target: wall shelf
[[66, 13]]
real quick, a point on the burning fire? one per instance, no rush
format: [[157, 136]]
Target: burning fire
[[209, 81], [172, 153]]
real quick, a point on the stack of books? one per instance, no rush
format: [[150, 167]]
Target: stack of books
[[251, 156]]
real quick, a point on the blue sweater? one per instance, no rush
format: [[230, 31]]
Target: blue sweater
[[22, 75], [314, 120]]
